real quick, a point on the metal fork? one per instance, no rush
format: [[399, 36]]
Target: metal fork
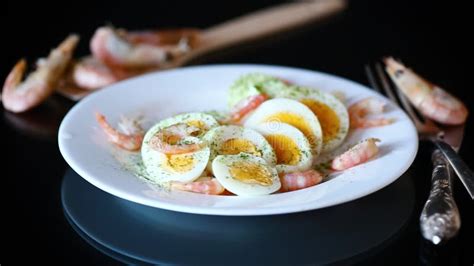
[[439, 220], [426, 128]]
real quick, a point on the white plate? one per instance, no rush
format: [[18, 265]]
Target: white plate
[[163, 94]]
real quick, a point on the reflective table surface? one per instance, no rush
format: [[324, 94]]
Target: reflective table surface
[[50, 215]]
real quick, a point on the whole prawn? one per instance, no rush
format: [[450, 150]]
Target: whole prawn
[[131, 136], [431, 100], [140, 50], [21, 96]]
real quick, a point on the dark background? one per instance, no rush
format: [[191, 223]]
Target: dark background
[[432, 37]]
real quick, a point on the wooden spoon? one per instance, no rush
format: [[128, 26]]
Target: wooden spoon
[[246, 28]]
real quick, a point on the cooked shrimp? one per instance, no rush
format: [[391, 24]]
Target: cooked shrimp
[[431, 100], [114, 50], [20, 96], [246, 106], [300, 180], [129, 137], [160, 37], [358, 154], [208, 186], [89, 73], [175, 139], [359, 111]]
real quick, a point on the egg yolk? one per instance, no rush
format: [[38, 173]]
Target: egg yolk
[[285, 148], [238, 145], [251, 173], [296, 121], [327, 118], [199, 124], [180, 162]]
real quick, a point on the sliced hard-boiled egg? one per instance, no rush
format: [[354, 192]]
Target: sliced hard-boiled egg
[[290, 112], [183, 167], [231, 140], [203, 121], [245, 174], [291, 147], [331, 112]]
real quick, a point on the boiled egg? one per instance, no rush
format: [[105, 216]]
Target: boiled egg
[[184, 167], [246, 175], [231, 140], [291, 147], [290, 112], [331, 112]]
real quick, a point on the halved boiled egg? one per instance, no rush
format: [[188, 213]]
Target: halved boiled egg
[[231, 140], [290, 112], [203, 121], [331, 112], [245, 174], [183, 167], [291, 147]]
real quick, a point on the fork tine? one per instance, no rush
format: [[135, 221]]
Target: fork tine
[[371, 78], [388, 88], [385, 83]]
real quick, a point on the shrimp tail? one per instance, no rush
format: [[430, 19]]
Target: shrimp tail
[[15, 76], [69, 44]]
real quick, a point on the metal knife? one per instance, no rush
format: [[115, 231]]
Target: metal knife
[[440, 220]]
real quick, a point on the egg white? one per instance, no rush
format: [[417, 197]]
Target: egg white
[[331, 101], [304, 148], [222, 164], [270, 108], [216, 137], [155, 162]]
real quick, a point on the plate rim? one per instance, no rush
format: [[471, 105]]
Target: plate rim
[[219, 210]]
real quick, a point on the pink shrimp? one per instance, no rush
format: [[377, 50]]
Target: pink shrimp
[[431, 100], [110, 47], [89, 73], [358, 113], [20, 96], [246, 106], [358, 154], [300, 180], [160, 37], [131, 138], [171, 140], [208, 186]]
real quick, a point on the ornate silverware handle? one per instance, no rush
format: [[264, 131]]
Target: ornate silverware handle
[[462, 170], [439, 220]]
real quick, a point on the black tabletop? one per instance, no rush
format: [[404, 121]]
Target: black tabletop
[[430, 37]]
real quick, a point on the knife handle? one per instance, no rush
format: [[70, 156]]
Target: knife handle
[[439, 220], [460, 167]]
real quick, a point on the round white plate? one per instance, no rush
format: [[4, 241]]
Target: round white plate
[[202, 88]]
